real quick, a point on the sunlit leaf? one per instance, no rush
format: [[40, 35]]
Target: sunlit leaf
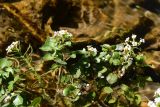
[[124, 87], [9, 69], [18, 100], [78, 74], [107, 90], [68, 90], [5, 63], [113, 100], [60, 61], [73, 55], [16, 78], [112, 78], [48, 57], [10, 86], [138, 99], [36, 102], [116, 55], [102, 71], [116, 62]]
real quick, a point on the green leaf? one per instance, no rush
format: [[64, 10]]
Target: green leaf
[[68, 43], [9, 69], [5, 63], [116, 62], [119, 47], [36, 102], [112, 78], [124, 87], [18, 100], [116, 55], [49, 44], [106, 90], [140, 58], [138, 99], [55, 66], [102, 71], [48, 57], [2, 91], [5, 74], [113, 100], [60, 61], [149, 79], [10, 86], [16, 78], [0, 81], [78, 74], [68, 90], [73, 55]]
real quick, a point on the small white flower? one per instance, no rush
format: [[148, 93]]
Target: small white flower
[[90, 48], [87, 85], [11, 47], [127, 48], [79, 93], [7, 99], [134, 36], [127, 39], [126, 57], [142, 40], [157, 100], [151, 104], [134, 43], [102, 76], [157, 92], [123, 69], [62, 32]]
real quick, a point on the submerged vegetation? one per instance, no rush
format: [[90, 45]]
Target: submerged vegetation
[[105, 75]]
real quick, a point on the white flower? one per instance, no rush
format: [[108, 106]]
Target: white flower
[[151, 104], [157, 100], [142, 40], [157, 92], [102, 76], [87, 85], [11, 47], [7, 99], [134, 43], [127, 39], [126, 57], [90, 48], [62, 32], [127, 48], [79, 93], [134, 36]]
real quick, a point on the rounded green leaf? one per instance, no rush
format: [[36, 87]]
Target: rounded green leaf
[[18, 100], [48, 57], [138, 99], [36, 102], [116, 62], [113, 100], [68, 90], [5, 63], [107, 90], [112, 78]]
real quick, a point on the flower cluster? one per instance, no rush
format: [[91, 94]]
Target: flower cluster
[[12, 47], [133, 41], [90, 51], [127, 49], [62, 33], [156, 102]]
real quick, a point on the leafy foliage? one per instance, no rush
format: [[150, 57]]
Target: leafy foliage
[[84, 77]]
